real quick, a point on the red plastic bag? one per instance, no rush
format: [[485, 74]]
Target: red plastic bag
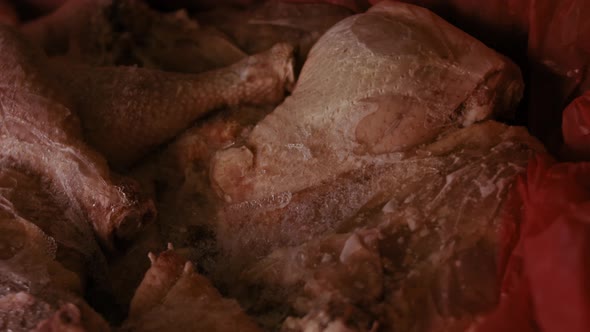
[[576, 128], [546, 284]]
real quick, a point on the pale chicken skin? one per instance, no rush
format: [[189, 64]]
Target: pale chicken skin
[[118, 108], [413, 81], [415, 75], [406, 246], [371, 199], [40, 134], [384, 150]]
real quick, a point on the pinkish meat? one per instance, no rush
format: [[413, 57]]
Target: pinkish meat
[[373, 85], [374, 193], [410, 245]]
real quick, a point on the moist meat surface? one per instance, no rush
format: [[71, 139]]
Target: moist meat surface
[[40, 134], [371, 198], [414, 74], [47, 256]]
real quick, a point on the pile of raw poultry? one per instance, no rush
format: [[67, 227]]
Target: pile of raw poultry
[[294, 166]]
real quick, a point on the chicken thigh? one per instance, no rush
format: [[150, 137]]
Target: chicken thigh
[[43, 137], [373, 196], [374, 85]]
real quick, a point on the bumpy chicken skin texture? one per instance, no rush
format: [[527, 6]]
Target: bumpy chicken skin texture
[[399, 166], [41, 134], [360, 254], [125, 112], [374, 84], [43, 137]]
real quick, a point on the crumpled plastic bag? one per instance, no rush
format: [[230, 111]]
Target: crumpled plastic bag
[[546, 282], [576, 128]]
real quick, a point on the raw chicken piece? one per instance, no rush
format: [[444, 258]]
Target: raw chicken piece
[[373, 179], [250, 229], [134, 110], [51, 312], [42, 137], [179, 176], [406, 246], [375, 84], [125, 112], [174, 297], [29, 196], [261, 26], [129, 32], [45, 253]]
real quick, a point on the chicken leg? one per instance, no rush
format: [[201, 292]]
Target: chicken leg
[[40, 135], [126, 112]]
